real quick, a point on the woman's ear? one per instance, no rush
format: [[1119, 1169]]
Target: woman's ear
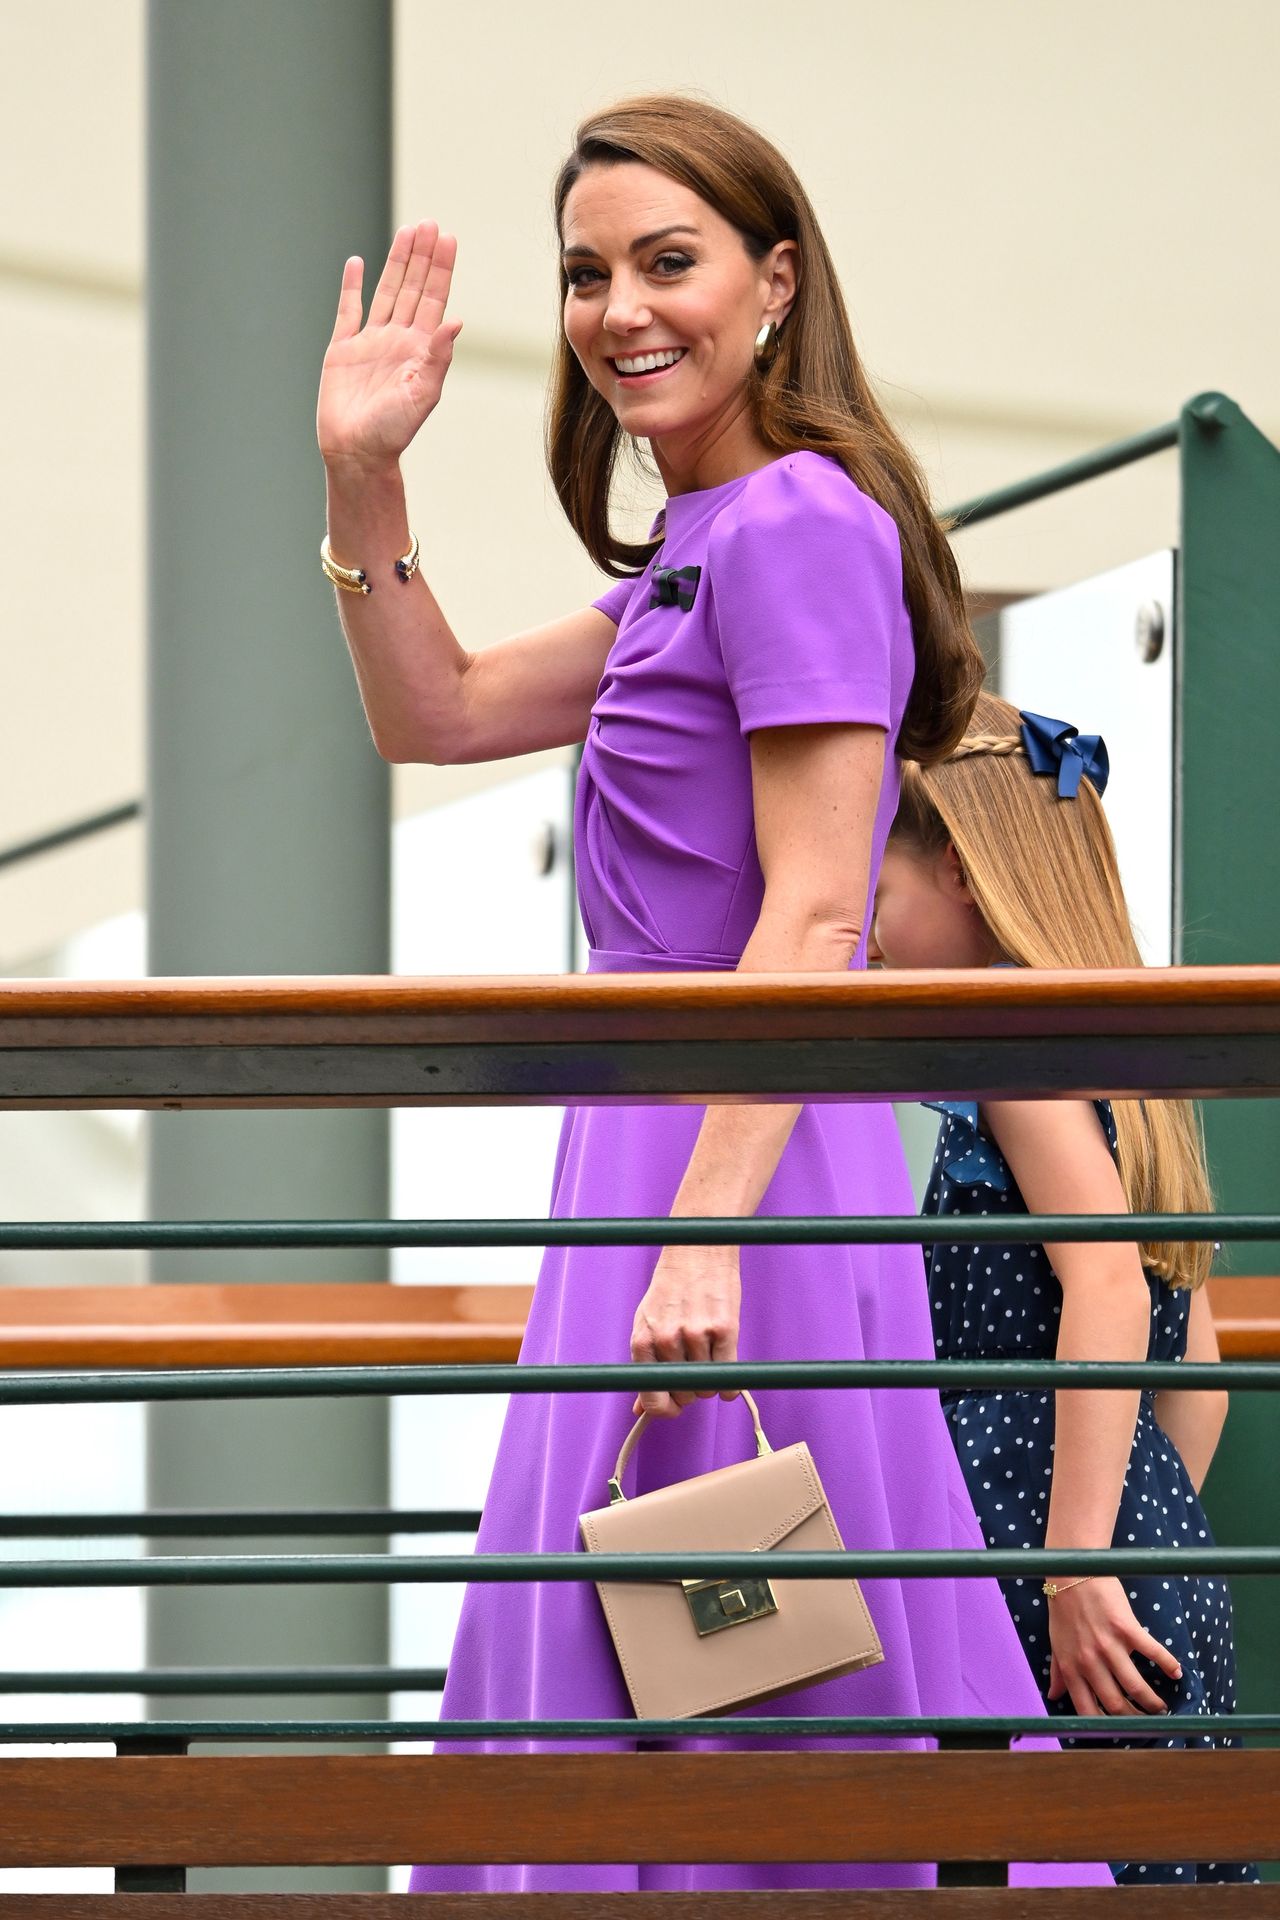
[[782, 270], [956, 878]]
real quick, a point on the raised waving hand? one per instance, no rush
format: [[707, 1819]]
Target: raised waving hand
[[381, 379]]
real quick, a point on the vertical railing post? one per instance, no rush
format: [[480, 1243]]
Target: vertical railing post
[[150, 1879], [1227, 905], [269, 145], [972, 1873]]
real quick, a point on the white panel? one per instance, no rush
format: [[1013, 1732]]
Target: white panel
[[1074, 655], [468, 897]]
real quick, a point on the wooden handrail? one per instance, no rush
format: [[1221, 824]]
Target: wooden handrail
[[1246, 1314], [265, 1810], [251, 1325], [1214, 1902], [308, 1324], [285, 1009], [396, 1041]]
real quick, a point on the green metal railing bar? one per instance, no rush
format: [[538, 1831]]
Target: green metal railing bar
[[911, 1563], [908, 1229], [21, 850], [1088, 466], [818, 1727], [216, 1524], [162, 1682], [270, 1383]]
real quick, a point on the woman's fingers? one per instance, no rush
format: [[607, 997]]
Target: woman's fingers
[[440, 345], [347, 322], [416, 270], [1103, 1673], [1127, 1676], [650, 1400], [1082, 1698], [672, 1342], [392, 277], [724, 1346], [434, 296], [1156, 1651], [690, 1309]]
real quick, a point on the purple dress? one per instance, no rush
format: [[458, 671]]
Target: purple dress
[[797, 617]]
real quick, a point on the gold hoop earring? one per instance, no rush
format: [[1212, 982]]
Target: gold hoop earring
[[766, 348]]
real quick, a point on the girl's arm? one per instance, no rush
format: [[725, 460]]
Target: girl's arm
[[815, 790], [1061, 1161], [1194, 1421], [425, 696]]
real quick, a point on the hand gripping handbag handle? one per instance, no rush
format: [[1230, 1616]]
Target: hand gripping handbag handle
[[616, 1495]]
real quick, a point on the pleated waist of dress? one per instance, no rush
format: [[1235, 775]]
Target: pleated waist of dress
[[616, 960]]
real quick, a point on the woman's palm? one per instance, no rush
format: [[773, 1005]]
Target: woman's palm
[[381, 380]]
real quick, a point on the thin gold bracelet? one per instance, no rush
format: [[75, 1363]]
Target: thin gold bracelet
[[1052, 1588], [355, 579]]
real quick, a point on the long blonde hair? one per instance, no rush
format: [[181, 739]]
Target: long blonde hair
[[816, 394], [1043, 875]]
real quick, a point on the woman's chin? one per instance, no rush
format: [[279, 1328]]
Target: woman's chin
[[645, 419]]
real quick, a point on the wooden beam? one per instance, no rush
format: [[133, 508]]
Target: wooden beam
[[1246, 1314], [613, 1037], [250, 1325], [564, 1807], [881, 1903]]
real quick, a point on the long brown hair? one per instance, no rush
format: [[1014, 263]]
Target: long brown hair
[[1044, 876], [815, 395]]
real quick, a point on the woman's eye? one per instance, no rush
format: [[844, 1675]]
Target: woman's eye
[[584, 276], [669, 264]]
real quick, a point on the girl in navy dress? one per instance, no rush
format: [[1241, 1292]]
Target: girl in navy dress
[[1001, 855]]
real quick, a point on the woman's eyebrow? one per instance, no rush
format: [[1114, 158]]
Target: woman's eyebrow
[[637, 246]]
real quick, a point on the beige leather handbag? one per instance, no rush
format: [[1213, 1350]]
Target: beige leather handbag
[[690, 1647]]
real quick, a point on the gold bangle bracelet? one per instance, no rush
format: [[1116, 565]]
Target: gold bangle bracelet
[[355, 579], [349, 579], [407, 564]]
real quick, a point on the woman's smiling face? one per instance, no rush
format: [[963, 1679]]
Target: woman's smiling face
[[664, 302]]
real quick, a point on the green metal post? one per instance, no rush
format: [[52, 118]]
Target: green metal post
[[268, 162], [1227, 896]]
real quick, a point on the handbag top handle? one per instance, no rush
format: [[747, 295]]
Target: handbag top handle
[[629, 1445]]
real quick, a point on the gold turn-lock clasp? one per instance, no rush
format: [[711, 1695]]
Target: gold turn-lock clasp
[[716, 1604]]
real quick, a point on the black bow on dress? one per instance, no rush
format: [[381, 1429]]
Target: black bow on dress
[[675, 587]]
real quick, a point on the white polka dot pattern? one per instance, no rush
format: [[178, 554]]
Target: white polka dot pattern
[[1006, 1301]]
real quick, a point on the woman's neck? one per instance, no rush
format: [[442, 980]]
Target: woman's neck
[[728, 449]]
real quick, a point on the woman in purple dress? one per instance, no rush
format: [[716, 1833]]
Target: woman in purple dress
[[794, 620]]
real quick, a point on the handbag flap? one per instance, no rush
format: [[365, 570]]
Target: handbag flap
[[748, 1507]]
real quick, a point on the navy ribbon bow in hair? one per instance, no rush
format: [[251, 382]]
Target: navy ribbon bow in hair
[[1055, 746], [675, 587]]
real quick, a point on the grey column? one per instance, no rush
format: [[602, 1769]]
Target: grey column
[[268, 162]]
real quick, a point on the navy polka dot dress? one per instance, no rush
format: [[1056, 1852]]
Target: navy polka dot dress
[[1007, 1300]]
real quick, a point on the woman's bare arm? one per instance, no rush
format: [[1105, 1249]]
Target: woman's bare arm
[[815, 791], [1194, 1421], [426, 697], [1061, 1161]]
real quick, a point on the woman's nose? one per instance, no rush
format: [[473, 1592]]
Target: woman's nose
[[627, 309]]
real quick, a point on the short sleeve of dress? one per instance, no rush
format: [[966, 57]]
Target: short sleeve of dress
[[806, 573], [613, 604]]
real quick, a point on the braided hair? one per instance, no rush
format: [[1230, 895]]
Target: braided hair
[[1044, 876]]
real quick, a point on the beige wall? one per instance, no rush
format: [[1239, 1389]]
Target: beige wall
[[1053, 221]]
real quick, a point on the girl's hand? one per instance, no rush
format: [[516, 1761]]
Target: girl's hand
[[381, 380], [1093, 1632], [690, 1312]]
